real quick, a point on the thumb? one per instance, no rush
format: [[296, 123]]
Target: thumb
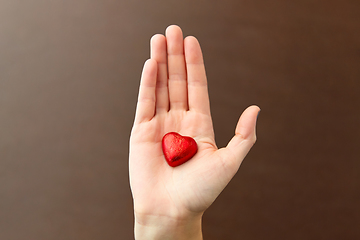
[[245, 135]]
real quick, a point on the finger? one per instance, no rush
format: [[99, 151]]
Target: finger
[[244, 139], [176, 68], [158, 53], [146, 101], [198, 96]]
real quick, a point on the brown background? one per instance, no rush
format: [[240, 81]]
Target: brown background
[[69, 75]]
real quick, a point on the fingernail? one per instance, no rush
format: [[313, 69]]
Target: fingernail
[[258, 114]]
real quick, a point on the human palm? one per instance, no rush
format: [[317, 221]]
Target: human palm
[[173, 97]]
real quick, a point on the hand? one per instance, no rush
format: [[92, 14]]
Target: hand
[[173, 97]]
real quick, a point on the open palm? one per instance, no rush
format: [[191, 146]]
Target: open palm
[[173, 97]]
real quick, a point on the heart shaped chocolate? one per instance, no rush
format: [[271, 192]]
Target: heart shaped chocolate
[[178, 149]]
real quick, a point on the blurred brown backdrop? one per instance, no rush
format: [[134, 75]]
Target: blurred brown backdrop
[[69, 75]]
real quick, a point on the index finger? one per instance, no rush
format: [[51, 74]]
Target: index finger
[[198, 96]]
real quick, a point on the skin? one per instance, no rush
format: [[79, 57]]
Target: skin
[[173, 97]]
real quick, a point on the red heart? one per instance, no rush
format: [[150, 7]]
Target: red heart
[[178, 149]]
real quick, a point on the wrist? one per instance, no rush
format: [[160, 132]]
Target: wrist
[[153, 227]]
